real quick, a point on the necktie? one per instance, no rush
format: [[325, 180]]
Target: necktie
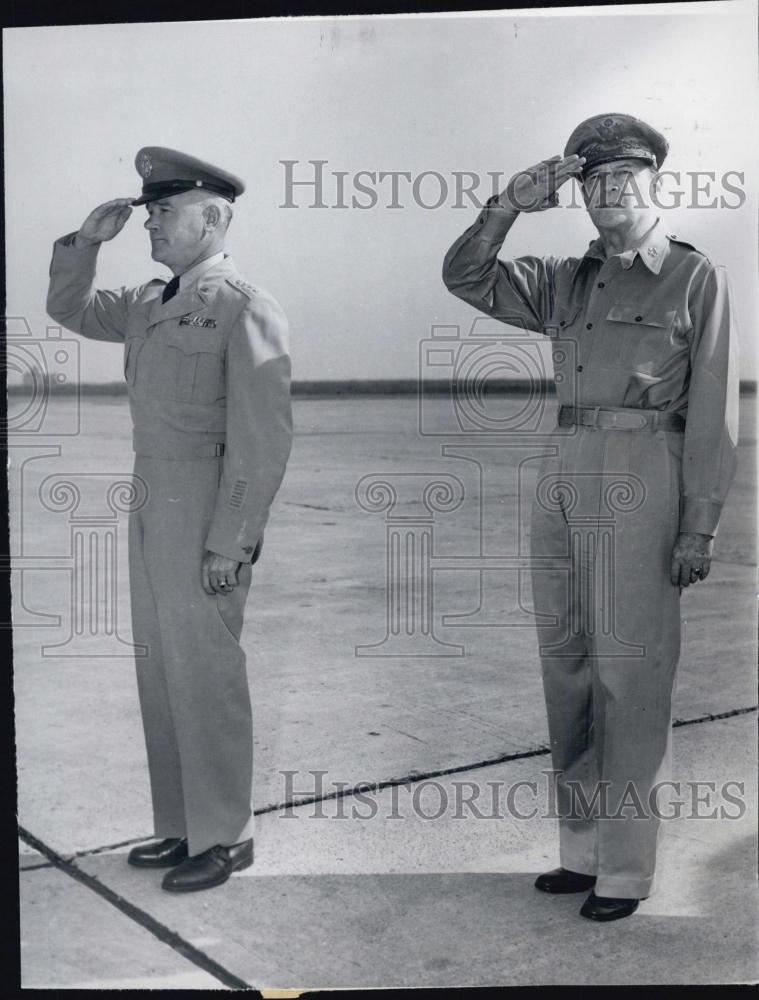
[[171, 289]]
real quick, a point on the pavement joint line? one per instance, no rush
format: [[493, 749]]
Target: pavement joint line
[[731, 714], [160, 931], [313, 506], [108, 847], [378, 786]]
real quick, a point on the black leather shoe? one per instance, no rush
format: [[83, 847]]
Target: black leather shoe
[[563, 880], [212, 867], [607, 907], [160, 854]]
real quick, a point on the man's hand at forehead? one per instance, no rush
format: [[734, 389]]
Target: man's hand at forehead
[[536, 188], [104, 222]]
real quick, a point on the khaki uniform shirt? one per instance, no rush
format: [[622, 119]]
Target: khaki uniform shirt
[[210, 367], [650, 328]]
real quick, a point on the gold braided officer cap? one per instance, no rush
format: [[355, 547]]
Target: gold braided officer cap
[[166, 172], [608, 137]]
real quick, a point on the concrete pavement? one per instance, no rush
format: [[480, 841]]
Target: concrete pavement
[[380, 900]]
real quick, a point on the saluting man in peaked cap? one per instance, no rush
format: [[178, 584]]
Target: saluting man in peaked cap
[[208, 373], [628, 499]]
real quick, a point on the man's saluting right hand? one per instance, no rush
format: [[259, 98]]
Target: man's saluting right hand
[[104, 222], [535, 189]]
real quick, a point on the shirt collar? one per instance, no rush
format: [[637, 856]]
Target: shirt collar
[[191, 276], [652, 252]]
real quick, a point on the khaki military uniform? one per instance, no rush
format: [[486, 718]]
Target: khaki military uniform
[[647, 330], [208, 375]]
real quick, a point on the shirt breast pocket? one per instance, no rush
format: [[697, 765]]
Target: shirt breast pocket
[[638, 337], [195, 365]]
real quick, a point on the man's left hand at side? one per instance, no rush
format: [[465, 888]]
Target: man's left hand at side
[[691, 558], [218, 574]]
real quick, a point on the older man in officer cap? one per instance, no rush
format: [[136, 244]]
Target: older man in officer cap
[[208, 374], [628, 500]]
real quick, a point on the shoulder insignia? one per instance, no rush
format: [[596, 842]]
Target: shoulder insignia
[[247, 289], [701, 251], [685, 243]]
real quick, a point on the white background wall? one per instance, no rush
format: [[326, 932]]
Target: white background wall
[[447, 93]]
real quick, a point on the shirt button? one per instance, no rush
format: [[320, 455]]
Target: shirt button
[[579, 368], [638, 319], [601, 284], [589, 326], [562, 322]]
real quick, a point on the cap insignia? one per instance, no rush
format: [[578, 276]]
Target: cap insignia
[[145, 165], [608, 129]]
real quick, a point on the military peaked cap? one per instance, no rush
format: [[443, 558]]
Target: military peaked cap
[[604, 138], [166, 172]]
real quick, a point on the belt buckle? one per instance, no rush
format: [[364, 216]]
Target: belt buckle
[[594, 422], [631, 421]]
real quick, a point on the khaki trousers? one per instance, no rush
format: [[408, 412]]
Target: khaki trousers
[[192, 682], [605, 517]]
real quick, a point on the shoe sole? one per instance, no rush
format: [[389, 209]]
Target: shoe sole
[[564, 892], [154, 864], [606, 919], [241, 866]]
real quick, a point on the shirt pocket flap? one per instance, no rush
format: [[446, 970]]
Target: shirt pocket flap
[[194, 341], [642, 315]]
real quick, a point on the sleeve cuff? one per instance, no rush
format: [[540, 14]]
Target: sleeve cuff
[[240, 553], [64, 245], [700, 515], [493, 222], [68, 241]]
